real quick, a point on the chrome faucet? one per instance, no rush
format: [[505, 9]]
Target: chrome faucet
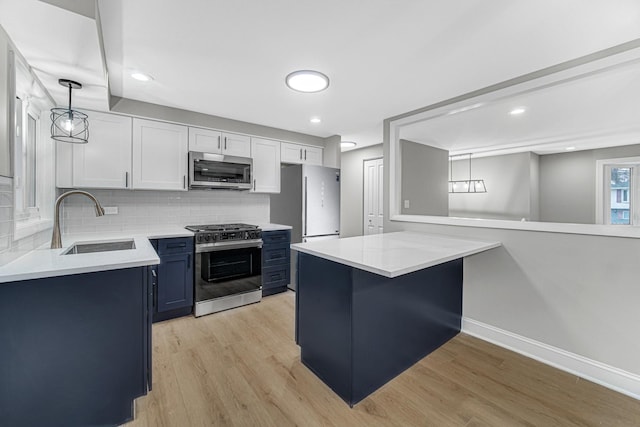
[[56, 239]]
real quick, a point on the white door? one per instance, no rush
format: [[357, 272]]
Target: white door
[[373, 196], [266, 165], [236, 145], [159, 155], [205, 140], [105, 161]]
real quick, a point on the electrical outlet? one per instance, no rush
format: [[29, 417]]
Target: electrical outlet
[[110, 210], [407, 205]]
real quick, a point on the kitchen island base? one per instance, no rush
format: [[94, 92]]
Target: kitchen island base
[[357, 330]]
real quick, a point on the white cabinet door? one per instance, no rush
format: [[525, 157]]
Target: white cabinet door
[[105, 161], [291, 153], [301, 154], [205, 140], [236, 145], [312, 155], [159, 155], [266, 165]]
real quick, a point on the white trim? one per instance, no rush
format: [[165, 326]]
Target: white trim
[[600, 373], [628, 231]]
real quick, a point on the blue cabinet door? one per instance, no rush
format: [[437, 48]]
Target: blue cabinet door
[[175, 282]]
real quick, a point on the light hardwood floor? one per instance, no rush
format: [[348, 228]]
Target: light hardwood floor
[[242, 368]]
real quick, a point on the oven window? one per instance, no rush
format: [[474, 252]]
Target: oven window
[[211, 171], [229, 272]]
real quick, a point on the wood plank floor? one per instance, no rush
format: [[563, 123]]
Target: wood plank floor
[[242, 368]]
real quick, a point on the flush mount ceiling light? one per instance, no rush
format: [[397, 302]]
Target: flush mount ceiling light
[[570, 148], [308, 81], [517, 111], [347, 144], [315, 120], [69, 125], [141, 76], [465, 185]]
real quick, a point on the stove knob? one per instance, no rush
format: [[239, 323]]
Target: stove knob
[[207, 237]]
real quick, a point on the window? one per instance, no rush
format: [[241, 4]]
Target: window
[[617, 191], [32, 156]]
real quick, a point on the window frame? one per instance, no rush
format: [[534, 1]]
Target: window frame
[[603, 190]]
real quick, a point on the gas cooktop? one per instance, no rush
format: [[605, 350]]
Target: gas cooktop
[[221, 227], [212, 233]]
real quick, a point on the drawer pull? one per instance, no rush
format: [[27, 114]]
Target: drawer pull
[[176, 245], [276, 276]]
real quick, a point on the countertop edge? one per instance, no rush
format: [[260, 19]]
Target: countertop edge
[[402, 271]]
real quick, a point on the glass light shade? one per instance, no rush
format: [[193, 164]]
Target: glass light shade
[[467, 186], [308, 81], [69, 126]]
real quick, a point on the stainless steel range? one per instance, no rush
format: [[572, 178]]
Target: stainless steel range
[[228, 266]]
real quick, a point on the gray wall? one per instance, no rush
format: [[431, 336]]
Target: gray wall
[[425, 173], [567, 183], [160, 112], [508, 182], [331, 152], [351, 188]]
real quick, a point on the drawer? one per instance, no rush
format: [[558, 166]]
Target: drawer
[[276, 237], [275, 277], [273, 255], [174, 245]]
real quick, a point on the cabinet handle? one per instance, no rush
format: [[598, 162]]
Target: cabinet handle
[[184, 181], [153, 273], [176, 245], [301, 154], [218, 142], [254, 185], [225, 142], [126, 180], [305, 154], [188, 261]]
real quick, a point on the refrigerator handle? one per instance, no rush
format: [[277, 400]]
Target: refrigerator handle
[[305, 206]]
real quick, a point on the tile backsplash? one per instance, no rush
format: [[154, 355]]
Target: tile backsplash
[[146, 210]]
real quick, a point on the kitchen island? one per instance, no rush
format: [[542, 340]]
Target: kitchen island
[[369, 307]]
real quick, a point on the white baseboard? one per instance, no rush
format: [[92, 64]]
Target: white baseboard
[[608, 376]]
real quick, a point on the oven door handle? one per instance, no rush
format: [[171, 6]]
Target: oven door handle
[[224, 246]]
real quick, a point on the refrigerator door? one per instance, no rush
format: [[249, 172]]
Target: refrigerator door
[[321, 201]]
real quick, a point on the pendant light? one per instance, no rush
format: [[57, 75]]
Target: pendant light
[[466, 185], [69, 125]]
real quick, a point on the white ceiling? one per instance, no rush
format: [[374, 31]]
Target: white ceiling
[[383, 57], [592, 110]]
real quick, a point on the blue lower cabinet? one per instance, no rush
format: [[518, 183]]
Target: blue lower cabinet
[[276, 261], [75, 350], [174, 281]]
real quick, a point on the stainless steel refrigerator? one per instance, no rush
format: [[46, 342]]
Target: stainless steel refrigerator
[[309, 201]]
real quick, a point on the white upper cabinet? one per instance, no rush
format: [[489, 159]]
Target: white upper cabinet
[[159, 155], [105, 161], [236, 145], [301, 154], [266, 165], [211, 141]]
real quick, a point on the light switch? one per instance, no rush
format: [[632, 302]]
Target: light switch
[[407, 205]]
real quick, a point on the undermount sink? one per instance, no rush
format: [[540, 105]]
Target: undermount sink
[[86, 248]]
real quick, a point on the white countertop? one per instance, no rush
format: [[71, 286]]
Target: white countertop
[[394, 254], [274, 227], [44, 262]]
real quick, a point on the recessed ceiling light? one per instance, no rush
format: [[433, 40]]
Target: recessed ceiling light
[[141, 76], [570, 148], [315, 120], [347, 144], [307, 81], [517, 111]]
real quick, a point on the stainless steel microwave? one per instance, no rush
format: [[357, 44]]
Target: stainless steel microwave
[[210, 171]]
